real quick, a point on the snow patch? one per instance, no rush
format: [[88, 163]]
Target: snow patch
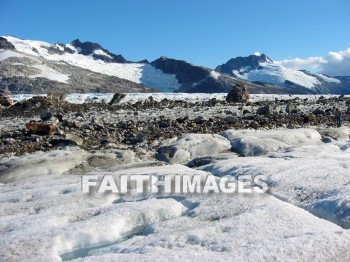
[[215, 74], [50, 73]]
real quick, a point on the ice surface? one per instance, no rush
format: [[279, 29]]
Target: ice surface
[[193, 145], [48, 218], [314, 177], [251, 142]]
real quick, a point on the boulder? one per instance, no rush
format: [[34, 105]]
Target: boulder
[[291, 108], [239, 93], [46, 116], [5, 100], [41, 128], [117, 97], [265, 110]]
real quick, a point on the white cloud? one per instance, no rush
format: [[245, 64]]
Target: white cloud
[[256, 53], [334, 64]]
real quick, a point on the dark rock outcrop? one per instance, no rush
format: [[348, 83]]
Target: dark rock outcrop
[[242, 64], [88, 48], [4, 44]]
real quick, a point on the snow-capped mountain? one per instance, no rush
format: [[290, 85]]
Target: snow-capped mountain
[[37, 67], [261, 69], [28, 66]]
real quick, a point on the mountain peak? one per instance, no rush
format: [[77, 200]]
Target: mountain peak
[[96, 51], [242, 64]]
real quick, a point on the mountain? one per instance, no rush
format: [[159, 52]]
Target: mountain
[[28, 66], [260, 69]]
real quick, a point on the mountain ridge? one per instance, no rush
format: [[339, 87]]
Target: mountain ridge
[[23, 62]]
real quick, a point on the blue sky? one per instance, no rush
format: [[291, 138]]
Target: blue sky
[[203, 32]]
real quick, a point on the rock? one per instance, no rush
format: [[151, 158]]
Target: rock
[[5, 100], [46, 116], [200, 161], [4, 44], [265, 110], [254, 125], [230, 119], [74, 139], [239, 93], [200, 119], [291, 108], [117, 97], [319, 111], [57, 96], [41, 128]]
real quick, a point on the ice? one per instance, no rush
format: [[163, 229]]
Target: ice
[[39, 164], [252, 143], [314, 177], [49, 219], [193, 145], [277, 74]]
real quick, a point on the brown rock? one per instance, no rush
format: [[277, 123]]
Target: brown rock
[[5, 100], [40, 128]]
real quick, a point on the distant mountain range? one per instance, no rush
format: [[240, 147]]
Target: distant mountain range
[[28, 66]]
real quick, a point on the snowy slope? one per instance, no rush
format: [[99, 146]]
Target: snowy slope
[[260, 68], [135, 72]]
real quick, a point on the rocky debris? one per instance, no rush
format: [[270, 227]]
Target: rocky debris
[[145, 124], [4, 44], [117, 97], [319, 111], [41, 128], [5, 100], [239, 93], [265, 110]]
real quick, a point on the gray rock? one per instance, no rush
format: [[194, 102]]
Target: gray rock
[[117, 98], [239, 93], [265, 110]]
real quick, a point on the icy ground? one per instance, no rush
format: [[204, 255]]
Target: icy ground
[[134, 97], [304, 217]]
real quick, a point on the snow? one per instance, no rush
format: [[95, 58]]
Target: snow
[[304, 216], [135, 72], [277, 74], [100, 52], [214, 74], [4, 54], [49, 73], [328, 79]]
